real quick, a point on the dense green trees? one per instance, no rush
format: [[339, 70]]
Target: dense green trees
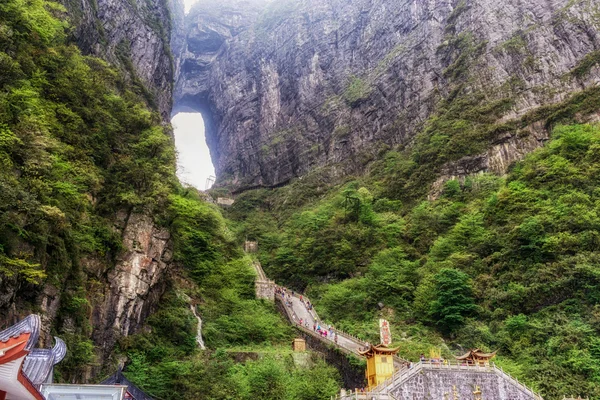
[[452, 300]]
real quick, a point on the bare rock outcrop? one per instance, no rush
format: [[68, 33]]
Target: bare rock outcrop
[[290, 86], [136, 283], [134, 35]]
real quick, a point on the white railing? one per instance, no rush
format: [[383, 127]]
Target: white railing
[[499, 371], [361, 395]]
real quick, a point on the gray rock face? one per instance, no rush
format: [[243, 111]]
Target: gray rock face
[[291, 86], [133, 34], [120, 296], [133, 288]]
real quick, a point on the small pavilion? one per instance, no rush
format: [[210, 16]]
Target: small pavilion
[[477, 357], [380, 364]]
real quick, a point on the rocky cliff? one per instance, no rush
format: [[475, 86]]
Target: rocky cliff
[[290, 86], [103, 271], [133, 34], [132, 290]]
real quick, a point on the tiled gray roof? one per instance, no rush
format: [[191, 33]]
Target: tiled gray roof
[[119, 379], [39, 363], [31, 324]]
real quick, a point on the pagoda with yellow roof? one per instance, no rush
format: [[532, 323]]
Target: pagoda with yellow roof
[[477, 357], [380, 364]]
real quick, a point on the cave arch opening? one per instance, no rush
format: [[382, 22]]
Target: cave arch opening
[[192, 128]]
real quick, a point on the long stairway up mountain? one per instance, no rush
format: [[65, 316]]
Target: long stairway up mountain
[[305, 318], [413, 382]]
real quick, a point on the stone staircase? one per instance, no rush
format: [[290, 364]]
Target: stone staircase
[[296, 309], [422, 381], [265, 288]]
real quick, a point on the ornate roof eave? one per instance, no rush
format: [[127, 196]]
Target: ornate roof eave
[[30, 325], [38, 363], [379, 349], [476, 353]]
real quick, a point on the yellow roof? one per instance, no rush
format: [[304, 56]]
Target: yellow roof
[[379, 349]]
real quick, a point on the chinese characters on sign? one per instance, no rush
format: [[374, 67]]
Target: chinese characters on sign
[[385, 333]]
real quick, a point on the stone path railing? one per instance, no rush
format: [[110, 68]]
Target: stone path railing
[[500, 372], [265, 289], [299, 310], [259, 271]]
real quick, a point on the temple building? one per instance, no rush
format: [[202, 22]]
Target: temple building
[[380, 364], [26, 372], [23, 368], [477, 357]]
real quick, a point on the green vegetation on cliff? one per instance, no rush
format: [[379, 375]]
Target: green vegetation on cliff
[[80, 144], [165, 361], [76, 145], [500, 263]]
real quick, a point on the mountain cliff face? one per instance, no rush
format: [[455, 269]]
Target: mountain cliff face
[[90, 160], [134, 35], [292, 86]]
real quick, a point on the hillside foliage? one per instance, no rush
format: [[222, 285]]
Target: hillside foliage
[[79, 144], [497, 263]]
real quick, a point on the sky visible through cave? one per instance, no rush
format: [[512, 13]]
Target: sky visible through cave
[[194, 164]]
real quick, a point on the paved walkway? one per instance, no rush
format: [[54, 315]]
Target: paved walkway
[[297, 310], [300, 312]]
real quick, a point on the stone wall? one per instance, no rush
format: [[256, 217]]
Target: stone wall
[[446, 384], [265, 290]]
